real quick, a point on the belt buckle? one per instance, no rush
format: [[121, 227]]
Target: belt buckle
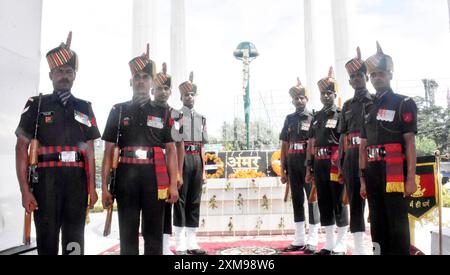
[[68, 156], [356, 140], [321, 152], [376, 153], [140, 154], [370, 153]]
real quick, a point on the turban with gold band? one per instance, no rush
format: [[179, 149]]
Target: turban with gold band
[[162, 79], [380, 62], [299, 90], [63, 55], [143, 64], [188, 86], [356, 65], [328, 83]]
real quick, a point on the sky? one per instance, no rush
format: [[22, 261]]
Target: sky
[[415, 33]]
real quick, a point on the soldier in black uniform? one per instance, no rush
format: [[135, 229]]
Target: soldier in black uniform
[[146, 176], [187, 209], [388, 158], [322, 165], [66, 133], [350, 127], [161, 93], [294, 137]]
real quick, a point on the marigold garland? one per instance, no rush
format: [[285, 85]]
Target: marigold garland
[[214, 159], [276, 163]]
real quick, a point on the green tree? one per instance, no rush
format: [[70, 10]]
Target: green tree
[[425, 146], [433, 124], [262, 136]]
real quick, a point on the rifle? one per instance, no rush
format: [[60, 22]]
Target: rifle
[[112, 179], [88, 219], [345, 200], [313, 195], [33, 177], [286, 192]]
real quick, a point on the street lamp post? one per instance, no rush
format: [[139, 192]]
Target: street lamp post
[[246, 52]]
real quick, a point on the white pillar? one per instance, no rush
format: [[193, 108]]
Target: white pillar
[[448, 1], [311, 57], [20, 57], [144, 27], [178, 49], [342, 52]]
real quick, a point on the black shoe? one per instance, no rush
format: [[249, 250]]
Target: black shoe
[[338, 253], [323, 252], [292, 248], [181, 252], [309, 249], [197, 252]]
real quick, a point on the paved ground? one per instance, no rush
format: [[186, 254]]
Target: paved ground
[[97, 244]]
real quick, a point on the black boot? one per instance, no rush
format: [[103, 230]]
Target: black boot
[[323, 252], [292, 248]]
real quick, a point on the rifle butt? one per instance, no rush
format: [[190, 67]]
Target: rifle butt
[[286, 192], [27, 229], [313, 195], [345, 200], [33, 155], [107, 229]]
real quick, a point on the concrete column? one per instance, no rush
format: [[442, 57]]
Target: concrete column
[[178, 49], [448, 1], [20, 57], [311, 16], [342, 52], [144, 27]]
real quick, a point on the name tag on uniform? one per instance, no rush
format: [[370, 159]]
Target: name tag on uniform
[[126, 121], [48, 117], [155, 122], [82, 118], [68, 156], [305, 126], [386, 115], [331, 123]]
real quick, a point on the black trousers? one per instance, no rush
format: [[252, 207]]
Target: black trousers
[[353, 185], [389, 225], [329, 196], [187, 209], [168, 219], [61, 195], [297, 173], [137, 192]]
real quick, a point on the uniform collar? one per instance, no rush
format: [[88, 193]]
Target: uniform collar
[[305, 112], [186, 110], [362, 94], [332, 109], [160, 104], [137, 104], [55, 98], [384, 95]]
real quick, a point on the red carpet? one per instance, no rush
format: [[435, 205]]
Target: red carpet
[[262, 245]]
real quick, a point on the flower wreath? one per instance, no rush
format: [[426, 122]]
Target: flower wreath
[[213, 158], [276, 163]]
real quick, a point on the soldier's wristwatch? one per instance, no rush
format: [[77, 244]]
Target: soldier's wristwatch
[[362, 173]]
